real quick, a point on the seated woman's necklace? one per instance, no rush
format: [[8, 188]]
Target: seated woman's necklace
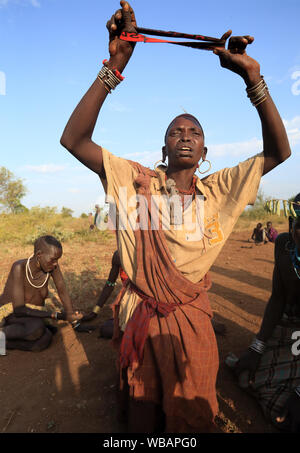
[[27, 268]]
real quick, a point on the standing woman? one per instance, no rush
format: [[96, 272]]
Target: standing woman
[[167, 349]]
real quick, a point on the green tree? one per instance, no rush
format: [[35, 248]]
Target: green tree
[[66, 212], [12, 190]]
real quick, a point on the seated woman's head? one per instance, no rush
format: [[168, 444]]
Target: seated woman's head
[[47, 252], [184, 142]]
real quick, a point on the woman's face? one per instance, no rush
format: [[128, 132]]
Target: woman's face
[[184, 144], [48, 258]]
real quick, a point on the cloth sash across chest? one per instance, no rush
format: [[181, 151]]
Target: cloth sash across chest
[[160, 285]]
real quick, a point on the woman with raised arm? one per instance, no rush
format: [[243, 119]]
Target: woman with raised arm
[[167, 349]]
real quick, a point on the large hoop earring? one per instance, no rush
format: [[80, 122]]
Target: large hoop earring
[[162, 163], [203, 172]]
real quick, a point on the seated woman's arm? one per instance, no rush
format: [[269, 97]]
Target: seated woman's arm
[[64, 295]]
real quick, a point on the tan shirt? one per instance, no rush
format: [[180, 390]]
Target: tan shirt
[[226, 194]]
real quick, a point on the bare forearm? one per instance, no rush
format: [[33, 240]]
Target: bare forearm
[[104, 296], [66, 301], [275, 141], [82, 122]]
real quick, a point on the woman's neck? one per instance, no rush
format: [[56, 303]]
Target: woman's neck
[[35, 268], [183, 178]]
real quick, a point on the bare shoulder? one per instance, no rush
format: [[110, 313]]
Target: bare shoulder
[[18, 267]]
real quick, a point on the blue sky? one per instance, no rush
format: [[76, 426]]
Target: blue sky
[[52, 50]]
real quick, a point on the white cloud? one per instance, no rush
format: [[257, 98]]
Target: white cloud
[[249, 147], [34, 3], [73, 190], [293, 130], [118, 107], [46, 168]]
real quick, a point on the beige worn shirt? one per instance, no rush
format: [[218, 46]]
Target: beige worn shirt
[[196, 243]]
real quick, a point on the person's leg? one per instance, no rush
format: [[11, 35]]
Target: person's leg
[[23, 328], [26, 334]]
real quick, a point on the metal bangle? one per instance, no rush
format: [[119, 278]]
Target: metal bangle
[[110, 80]]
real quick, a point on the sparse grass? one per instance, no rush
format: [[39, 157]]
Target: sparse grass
[[24, 228], [251, 217]]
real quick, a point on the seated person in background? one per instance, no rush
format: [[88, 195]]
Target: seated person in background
[[22, 304], [271, 233], [270, 369], [259, 234], [106, 329], [91, 221]]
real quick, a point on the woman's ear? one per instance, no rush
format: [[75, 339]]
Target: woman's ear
[[204, 153]]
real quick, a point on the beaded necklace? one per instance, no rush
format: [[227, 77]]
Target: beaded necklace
[[27, 268]]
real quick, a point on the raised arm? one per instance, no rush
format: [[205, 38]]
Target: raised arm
[[77, 136], [275, 142]]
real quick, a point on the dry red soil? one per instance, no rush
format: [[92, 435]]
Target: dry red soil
[[71, 386]]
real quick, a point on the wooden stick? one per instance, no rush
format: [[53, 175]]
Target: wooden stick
[[175, 34]]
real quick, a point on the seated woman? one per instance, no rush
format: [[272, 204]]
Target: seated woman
[[270, 369], [259, 234], [22, 304]]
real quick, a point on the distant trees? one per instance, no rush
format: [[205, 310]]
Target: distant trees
[[66, 212], [12, 190]]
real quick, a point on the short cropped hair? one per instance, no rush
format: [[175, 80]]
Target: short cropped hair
[[46, 241], [188, 116]]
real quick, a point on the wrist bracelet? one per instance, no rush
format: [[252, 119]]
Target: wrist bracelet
[[96, 309], [258, 93], [109, 77], [108, 283], [258, 346]]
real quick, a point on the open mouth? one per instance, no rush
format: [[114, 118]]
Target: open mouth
[[184, 152]]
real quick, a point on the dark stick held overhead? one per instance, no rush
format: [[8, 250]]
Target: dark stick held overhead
[[175, 34], [207, 42]]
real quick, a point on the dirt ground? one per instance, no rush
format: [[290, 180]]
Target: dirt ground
[[71, 386]]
